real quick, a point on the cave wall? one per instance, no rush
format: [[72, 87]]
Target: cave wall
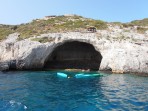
[[74, 55]]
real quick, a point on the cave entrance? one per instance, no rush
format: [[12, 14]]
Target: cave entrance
[[74, 55]]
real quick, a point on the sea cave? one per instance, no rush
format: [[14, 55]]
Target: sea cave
[[74, 55]]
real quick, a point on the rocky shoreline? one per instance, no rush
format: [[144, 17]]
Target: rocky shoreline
[[120, 55]]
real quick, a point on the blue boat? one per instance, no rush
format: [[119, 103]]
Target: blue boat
[[81, 75], [63, 75]]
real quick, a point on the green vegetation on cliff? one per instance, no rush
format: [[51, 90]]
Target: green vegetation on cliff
[[56, 24], [141, 30], [43, 39], [143, 22], [5, 30], [62, 24]]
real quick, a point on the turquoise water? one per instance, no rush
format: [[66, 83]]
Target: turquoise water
[[44, 91]]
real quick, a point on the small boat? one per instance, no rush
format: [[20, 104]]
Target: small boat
[[63, 75], [81, 75]]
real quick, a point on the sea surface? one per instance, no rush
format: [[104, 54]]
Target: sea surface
[[45, 91]]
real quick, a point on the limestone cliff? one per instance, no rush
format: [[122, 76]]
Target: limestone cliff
[[122, 49], [119, 55]]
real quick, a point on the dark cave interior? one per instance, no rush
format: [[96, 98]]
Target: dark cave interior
[[74, 55]]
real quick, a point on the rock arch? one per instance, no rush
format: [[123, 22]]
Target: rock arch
[[73, 55]]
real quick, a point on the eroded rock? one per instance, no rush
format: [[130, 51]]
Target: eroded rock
[[118, 55]]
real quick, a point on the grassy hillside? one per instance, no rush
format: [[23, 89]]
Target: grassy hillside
[[62, 24], [143, 22], [5, 30], [57, 24]]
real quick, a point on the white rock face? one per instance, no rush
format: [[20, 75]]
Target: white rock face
[[121, 51]]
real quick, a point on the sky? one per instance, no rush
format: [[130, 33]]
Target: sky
[[23, 11]]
